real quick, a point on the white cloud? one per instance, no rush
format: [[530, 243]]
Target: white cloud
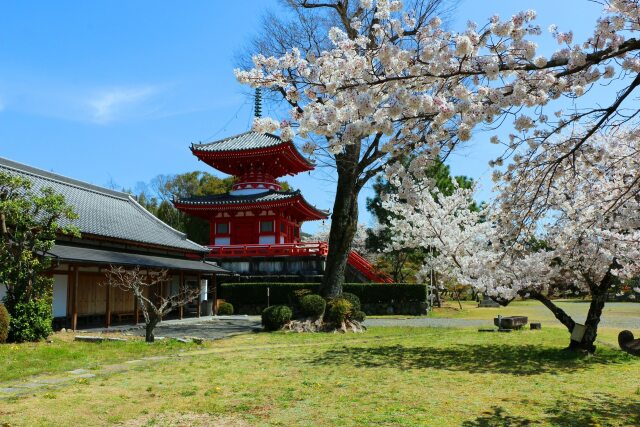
[[112, 104]]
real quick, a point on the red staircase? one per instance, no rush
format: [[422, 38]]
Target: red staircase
[[367, 269]]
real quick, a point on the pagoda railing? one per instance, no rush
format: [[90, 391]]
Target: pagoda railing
[[298, 249], [283, 249]]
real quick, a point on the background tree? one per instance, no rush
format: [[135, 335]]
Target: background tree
[[404, 264], [146, 287], [29, 224]]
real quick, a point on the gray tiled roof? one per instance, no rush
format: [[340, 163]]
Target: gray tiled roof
[[228, 199], [245, 141], [109, 257], [103, 212]]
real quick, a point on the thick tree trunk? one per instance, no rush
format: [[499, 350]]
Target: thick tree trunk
[[150, 326], [344, 223], [598, 300]]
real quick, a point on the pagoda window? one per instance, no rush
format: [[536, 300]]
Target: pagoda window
[[222, 228], [266, 226], [282, 227]]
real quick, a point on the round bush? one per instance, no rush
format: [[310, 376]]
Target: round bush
[[312, 305], [275, 317], [5, 320], [359, 316], [31, 321], [225, 309], [339, 310], [353, 299]]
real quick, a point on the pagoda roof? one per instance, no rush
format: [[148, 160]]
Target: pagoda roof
[[245, 141], [231, 155], [266, 199]]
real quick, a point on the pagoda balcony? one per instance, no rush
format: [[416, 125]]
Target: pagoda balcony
[[357, 261], [282, 249]]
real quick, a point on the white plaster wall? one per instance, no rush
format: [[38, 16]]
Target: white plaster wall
[[204, 289], [267, 240], [60, 295], [223, 240]]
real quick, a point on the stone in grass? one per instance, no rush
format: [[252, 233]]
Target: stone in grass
[[195, 340], [88, 338], [511, 322], [535, 326], [183, 340], [117, 339]]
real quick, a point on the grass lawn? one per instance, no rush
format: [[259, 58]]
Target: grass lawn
[[387, 376], [62, 354]]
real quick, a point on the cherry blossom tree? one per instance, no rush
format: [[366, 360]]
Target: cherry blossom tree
[[393, 82], [585, 236]]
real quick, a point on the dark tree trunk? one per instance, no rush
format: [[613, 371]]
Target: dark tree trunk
[[598, 300], [344, 223], [150, 326]]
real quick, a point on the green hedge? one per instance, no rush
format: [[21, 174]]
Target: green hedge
[[282, 293]]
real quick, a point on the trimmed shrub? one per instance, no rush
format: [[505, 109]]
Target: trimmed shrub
[[5, 321], [359, 316], [353, 299], [31, 321], [281, 293], [312, 305], [275, 317], [225, 309], [339, 310]]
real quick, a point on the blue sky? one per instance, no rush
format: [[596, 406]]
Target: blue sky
[[113, 92]]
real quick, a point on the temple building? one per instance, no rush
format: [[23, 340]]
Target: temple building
[[114, 231], [255, 229], [257, 210]]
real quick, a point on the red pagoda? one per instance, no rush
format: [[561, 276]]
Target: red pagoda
[[255, 228], [257, 211]]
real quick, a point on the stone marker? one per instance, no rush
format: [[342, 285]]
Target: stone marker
[[535, 326], [88, 338], [511, 322]]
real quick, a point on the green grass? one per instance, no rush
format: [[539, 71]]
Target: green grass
[[387, 376], [19, 361]]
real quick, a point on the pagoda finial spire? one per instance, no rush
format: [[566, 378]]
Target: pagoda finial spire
[[258, 103]]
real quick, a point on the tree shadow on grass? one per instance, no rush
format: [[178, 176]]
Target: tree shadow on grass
[[498, 417], [576, 411], [599, 410], [490, 358]]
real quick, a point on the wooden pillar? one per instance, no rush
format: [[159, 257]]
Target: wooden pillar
[[107, 317], [74, 312], [276, 224], [181, 290], [213, 285], [199, 308]]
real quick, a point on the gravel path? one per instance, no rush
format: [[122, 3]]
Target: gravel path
[[428, 322], [208, 329]]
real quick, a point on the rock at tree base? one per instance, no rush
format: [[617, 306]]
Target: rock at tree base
[[512, 322]]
